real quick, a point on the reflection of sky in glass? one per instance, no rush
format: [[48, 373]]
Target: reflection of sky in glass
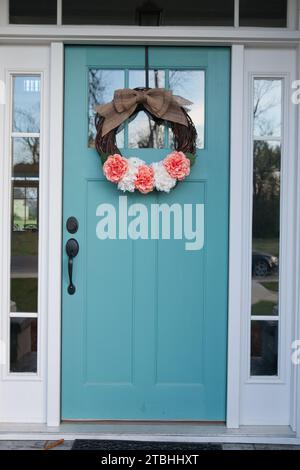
[[142, 131], [102, 84], [190, 85], [26, 104], [137, 78], [267, 108]]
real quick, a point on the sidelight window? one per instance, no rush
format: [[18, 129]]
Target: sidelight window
[[267, 147], [24, 251]]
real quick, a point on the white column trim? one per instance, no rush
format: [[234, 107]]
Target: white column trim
[[296, 389], [55, 216], [235, 237]]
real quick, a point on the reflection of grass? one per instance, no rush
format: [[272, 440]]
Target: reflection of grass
[[24, 243], [264, 307], [266, 245], [24, 294], [21, 221], [273, 286]]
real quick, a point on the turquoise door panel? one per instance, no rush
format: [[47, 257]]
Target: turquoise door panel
[[145, 335]]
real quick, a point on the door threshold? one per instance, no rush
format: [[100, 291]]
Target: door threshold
[[168, 432], [143, 422]]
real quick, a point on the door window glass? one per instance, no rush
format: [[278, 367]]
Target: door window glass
[[265, 315], [142, 131]]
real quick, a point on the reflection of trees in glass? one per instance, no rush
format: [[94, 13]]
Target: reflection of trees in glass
[[31, 143], [26, 119], [152, 134], [190, 84], [149, 134], [266, 190], [98, 81], [180, 80], [267, 97]]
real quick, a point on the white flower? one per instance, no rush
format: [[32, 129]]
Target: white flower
[[128, 180], [162, 180], [135, 162]]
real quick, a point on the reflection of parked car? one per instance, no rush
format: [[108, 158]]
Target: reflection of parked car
[[30, 227], [263, 264]]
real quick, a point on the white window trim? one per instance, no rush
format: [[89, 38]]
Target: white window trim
[[6, 374], [282, 327]]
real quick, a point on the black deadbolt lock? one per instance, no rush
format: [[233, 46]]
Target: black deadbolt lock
[[72, 225]]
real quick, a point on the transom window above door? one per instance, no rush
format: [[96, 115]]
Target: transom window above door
[[143, 132], [266, 13]]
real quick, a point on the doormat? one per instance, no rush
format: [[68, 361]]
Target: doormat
[[104, 445]]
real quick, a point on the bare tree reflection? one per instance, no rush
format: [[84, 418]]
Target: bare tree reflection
[[266, 190], [98, 82], [26, 122], [266, 170], [267, 97]]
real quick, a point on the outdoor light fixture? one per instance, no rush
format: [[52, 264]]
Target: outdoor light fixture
[[149, 14]]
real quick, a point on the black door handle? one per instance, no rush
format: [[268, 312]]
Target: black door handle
[[72, 248]]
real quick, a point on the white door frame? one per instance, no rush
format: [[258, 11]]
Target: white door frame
[[55, 242], [235, 245]]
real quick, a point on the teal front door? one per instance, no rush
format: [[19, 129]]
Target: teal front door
[[144, 336]]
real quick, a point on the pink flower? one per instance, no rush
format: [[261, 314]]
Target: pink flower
[[177, 165], [144, 179], [115, 168]]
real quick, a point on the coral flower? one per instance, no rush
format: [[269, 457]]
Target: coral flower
[[177, 165], [115, 168], [144, 179]]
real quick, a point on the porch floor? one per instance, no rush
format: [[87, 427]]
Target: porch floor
[[179, 432], [67, 445]]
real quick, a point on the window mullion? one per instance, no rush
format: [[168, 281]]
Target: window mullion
[[236, 13]]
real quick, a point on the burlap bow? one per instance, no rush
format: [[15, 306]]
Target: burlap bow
[[158, 101]]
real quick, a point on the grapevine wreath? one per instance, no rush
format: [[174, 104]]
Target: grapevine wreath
[[132, 173]]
